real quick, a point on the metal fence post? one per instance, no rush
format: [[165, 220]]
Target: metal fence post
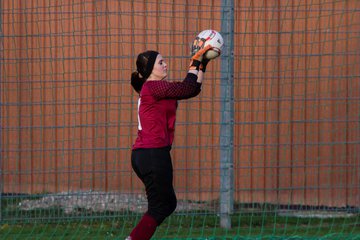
[[1, 61], [227, 115]]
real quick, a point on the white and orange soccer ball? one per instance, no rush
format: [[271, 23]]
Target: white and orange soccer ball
[[207, 37]]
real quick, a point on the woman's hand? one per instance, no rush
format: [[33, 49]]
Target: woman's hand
[[197, 58]]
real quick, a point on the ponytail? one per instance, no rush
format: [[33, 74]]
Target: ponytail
[[137, 81]]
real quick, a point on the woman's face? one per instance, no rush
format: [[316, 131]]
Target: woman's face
[[159, 71]]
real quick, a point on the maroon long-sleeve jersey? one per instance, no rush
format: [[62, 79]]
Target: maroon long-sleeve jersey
[[157, 106]]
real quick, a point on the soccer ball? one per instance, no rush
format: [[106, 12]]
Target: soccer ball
[[207, 37]]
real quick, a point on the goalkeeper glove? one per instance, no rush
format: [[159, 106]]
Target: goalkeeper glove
[[197, 58], [198, 44], [203, 64]]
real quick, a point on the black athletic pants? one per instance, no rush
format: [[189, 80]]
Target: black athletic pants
[[154, 167]]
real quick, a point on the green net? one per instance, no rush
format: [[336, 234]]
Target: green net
[[69, 119]]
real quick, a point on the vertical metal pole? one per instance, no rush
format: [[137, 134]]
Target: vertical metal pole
[[1, 86], [227, 115]]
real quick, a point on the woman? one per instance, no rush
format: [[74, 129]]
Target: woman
[[150, 156]]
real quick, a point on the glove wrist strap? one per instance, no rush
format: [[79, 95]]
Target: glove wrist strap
[[194, 64]]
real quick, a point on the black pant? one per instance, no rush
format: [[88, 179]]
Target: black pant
[[154, 167]]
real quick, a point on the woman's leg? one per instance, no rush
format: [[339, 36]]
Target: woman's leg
[[154, 168]]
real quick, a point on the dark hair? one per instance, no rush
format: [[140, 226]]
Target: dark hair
[[144, 65]]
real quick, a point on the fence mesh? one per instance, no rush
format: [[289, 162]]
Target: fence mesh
[[69, 118]]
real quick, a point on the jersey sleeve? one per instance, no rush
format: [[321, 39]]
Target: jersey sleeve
[[188, 88]]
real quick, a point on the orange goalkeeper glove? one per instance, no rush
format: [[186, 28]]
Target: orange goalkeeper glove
[[196, 59]]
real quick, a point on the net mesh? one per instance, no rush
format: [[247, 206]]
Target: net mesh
[[69, 118]]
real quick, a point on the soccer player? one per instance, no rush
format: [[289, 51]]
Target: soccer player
[[150, 157]]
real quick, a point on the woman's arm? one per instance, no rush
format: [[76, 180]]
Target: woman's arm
[[200, 75], [189, 87]]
